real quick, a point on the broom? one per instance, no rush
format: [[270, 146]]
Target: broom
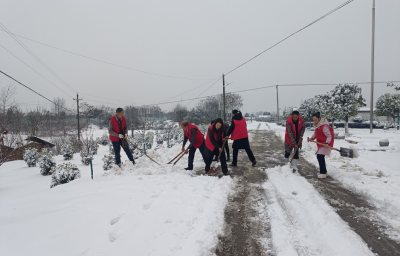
[[345, 152]]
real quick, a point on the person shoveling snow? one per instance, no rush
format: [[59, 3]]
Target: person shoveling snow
[[295, 129], [214, 146]]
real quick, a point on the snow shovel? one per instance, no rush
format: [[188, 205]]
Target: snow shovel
[[142, 151], [183, 153], [214, 170], [301, 139], [175, 157], [345, 152]]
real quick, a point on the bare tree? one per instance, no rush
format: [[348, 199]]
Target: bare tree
[[6, 100], [34, 119], [58, 105], [180, 112]]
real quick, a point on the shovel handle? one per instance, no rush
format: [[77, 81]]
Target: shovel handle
[[175, 157], [142, 152], [322, 144], [223, 144], [301, 139]]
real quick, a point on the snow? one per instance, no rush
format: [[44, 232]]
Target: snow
[[140, 210], [302, 222], [375, 173]]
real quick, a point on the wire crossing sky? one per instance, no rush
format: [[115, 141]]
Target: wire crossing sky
[[195, 40]]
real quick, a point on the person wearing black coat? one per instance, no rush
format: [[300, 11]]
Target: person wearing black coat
[[226, 128], [239, 135]]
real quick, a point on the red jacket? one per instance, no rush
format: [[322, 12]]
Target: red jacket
[[320, 136], [116, 128], [240, 130], [209, 144], [199, 135], [299, 125]]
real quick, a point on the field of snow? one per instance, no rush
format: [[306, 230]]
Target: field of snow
[[374, 174], [140, 210]]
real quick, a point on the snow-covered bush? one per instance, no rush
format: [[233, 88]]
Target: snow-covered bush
[[103, 140], [64, 173], [108, 162], [111, 148], [86, 156], [46, 162], [67, 151], [31, 157]]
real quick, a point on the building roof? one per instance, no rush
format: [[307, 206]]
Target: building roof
[[38, 140]]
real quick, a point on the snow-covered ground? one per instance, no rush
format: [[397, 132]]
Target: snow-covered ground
[[302, 222], [374, 174], [141, 210]]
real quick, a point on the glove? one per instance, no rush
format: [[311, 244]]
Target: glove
[[121, 136]]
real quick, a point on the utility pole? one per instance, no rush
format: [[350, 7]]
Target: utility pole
[[223, 84], [77, 108], [277, 102], [371, 115]]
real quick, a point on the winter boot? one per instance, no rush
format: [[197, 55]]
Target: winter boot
[[188, 169], [228, 159], [294, 165], [321, 176], [254, 163], [286, 161]]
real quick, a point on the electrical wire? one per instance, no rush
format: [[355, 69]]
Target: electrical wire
[[315, 21], [204, 91], [106, 62], [34, 91], [35, 70], [37, 58]]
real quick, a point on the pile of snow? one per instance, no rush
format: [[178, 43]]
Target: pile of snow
[[137, 210]]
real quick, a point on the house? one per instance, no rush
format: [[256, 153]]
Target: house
[[364, 115], [17, 153]]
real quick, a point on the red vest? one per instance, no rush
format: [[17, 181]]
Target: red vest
[[116, 128], [209, 144], [299, 125], [240, 130], [199, 135], [320, 136]]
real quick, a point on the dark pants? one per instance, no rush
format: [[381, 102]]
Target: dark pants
[[296, 155], [192, 152], [222, 159], [117, 149], [322, 166], [249, 154], [227, 150]]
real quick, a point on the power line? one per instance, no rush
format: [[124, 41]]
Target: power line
[[34, 91], [35, 70], [264, 87], [204, 91], [315, 21], [37, 58], [106, 62]]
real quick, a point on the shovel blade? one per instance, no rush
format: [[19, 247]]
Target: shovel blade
[[213, 171], [346, 152]]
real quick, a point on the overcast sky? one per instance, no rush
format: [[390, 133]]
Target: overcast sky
[[197, 40]]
